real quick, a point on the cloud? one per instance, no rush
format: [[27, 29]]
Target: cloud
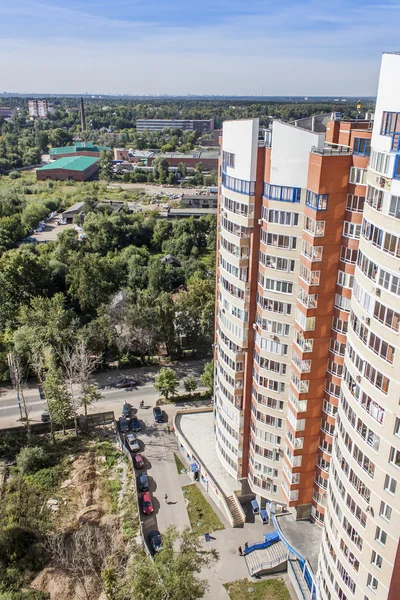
[[283, 48]]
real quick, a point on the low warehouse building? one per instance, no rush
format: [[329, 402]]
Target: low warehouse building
[[78, 149], [77, 168]]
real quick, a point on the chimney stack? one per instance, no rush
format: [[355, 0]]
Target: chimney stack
[[83, 118]]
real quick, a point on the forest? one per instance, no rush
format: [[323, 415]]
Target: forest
[[110, 288]]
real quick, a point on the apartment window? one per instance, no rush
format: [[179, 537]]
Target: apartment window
[[390, 484], [390, 123], [348, 255], [355, 203], [358, 176], [376, 559], [345, 279], [306, 323], [396, 172], [372, 582], [286, 242], [381, 348], [313, 253], [314, 228], [351, 230], [362, 146], [316, 201], [339, 325], [239, 185], [282, 193], [228, 160], [387, 316], [375, 197], [385, 511], [380, 536], [380, 162], [342, 303], [310, 277], [275, 285], [397, 427], [282, 217]]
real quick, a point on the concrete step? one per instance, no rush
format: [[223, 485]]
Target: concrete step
[[300, 579], [235, 512]]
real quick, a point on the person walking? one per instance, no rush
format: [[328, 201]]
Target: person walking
[[166, 498]]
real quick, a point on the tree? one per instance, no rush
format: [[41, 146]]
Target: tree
[[59, 400], [59, 137], [182, 170], [106, 164], [166, 383], [173, 574], [190, 384], [207, 377], [199, 167], [31, 459], [195, 314]]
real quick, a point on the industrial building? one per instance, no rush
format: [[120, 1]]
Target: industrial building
[[77, 168], [39, 108], [202, 125], [307, 323], [78, 149]]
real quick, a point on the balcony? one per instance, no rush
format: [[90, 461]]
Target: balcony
[[331, 149]]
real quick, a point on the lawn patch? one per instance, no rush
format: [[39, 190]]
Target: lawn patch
[[268, 589], [200, 511], [179, 464]]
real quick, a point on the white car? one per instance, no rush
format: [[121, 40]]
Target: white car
[[132, 442]]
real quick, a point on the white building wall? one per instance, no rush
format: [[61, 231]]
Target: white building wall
[[241, 139]]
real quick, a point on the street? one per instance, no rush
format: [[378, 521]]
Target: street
[[113, 397]]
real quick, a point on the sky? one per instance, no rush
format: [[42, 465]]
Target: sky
[[179, 47]]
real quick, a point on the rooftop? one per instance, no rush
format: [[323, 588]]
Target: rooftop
[[74, 208], [199, 154], [198, 429], [71, 163], [78, 147], [304, 536]]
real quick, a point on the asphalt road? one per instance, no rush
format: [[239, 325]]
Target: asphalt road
[[112, 399]]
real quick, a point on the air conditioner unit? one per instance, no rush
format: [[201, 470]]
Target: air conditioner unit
[[254, 325], [378, 292], [366, 320], [358, 378], [259, 221]]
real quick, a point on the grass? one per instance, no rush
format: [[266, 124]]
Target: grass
[[268, 589], [179, 464], [200, 511]]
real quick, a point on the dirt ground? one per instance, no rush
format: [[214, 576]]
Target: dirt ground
[[81, 500]]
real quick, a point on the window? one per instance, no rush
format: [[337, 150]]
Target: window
[[348, 255], [355, 203], [362, 146], [387, 316], [277, 262], [394, 209], [358, 176], [342, 303], [376, 559], [316, 201], [313, 253], [390, 123], [339, 325], [375, 197], [372, 582], [396, 172], [380, 536], [239, 185], [390, 484], [306, 323], [381, 348], [282, 193], [351, 230], [397, 427], [310, 277], [380, 162], [275, 285], [245, 210], [385, 511], [228, 160], [286, 242], [281, 217], [314, 228], [345, 279]]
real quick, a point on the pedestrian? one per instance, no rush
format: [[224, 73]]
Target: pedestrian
[[240, 551], [166, 498]]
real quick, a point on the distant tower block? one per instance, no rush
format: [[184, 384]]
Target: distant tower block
[[83, 118]]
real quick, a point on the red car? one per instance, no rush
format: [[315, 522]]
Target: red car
[[147, 505], [138, 461]]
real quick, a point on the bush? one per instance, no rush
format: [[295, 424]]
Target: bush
[[14, 175], [15, 543], [32, 459]]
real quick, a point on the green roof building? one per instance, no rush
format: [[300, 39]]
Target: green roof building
[[73, 168], [78, 149]]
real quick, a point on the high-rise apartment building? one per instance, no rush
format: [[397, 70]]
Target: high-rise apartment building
[[201, 125], [360, 555], [306, 395], [38, 108]]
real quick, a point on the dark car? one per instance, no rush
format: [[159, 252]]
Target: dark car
[[123, 424], [126, 383], [45, 417], [147, 505], [143, 482], [158, 414], [138, 461], [126, 410], [135, 424], [155, 541]]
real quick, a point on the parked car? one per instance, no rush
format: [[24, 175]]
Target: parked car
[[126, 409], [45, 416], [135, 424], [143, 482], [147, 505], [126, 383], [158, 414], [155, 541], [123, 424], [138, 461], [132, 442]]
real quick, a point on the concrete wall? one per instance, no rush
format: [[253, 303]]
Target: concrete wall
[[241, 139], [388, 99]]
